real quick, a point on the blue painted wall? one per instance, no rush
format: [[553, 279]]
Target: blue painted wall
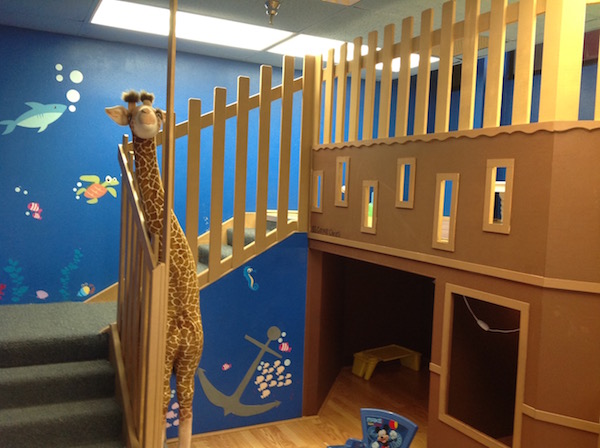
[[268, 292], [54, 245]]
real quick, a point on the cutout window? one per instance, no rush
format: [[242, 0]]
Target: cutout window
[[498, 195], [405, 182], [444, 224], [484, 344], [341, 181], [317, 191], [369, 207]]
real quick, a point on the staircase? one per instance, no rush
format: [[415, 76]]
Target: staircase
[[57, 386]]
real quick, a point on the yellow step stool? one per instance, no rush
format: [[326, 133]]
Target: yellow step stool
[[365, 361]]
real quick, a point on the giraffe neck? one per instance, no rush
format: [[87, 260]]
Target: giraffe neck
[[149, 182]]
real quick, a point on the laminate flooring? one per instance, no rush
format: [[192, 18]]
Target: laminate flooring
[[392, 387]]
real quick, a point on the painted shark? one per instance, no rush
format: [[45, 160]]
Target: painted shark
[[39, 116]]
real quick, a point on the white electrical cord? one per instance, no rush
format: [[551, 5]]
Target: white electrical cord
[[484, 326]]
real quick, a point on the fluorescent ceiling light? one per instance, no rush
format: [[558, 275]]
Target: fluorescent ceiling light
[[303, 44], [150, 19]]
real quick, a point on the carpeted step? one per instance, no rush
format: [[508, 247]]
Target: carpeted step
[[203, 252], [55, 383], [54, 333], [249, 233], [69, 424]]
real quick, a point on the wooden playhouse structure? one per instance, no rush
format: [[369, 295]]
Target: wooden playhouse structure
[[504, 218]]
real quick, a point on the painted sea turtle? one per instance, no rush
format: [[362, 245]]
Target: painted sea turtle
[[96, 190]]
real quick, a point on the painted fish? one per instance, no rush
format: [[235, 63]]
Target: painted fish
[[39, 116], [226, 367], [36, 210], [86, 290], [285, 347]]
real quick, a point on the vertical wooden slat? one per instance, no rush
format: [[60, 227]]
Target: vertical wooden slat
[[385, 85], [341, 72], [404, 77], [217, 178], [308, 130], [262, 172], [424, 73], [285, 145], [355, 83], [329, 78], [370, 79], [597, 108], [442, 113], [562, 59], [469, 66], [495, 66], [318, 86], [193, 175], [241, 169], [155, 364], [523, 84]]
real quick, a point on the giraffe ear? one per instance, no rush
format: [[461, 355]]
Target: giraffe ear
[[119, 114]]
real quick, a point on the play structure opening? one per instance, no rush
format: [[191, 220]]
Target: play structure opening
[[369, 306]]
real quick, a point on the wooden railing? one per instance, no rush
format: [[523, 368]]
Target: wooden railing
[[560, 85], [138, 335], [287, 222]]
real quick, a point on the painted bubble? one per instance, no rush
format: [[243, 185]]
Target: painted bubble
[[58, 67], [72, 108], [73, 95], [76, 76], [59, 78], [287, 362]]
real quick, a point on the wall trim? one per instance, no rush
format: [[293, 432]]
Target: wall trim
[[531, 128], [561, 420], [491, 271]]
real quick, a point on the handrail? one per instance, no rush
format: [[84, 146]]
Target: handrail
[[141, 297]]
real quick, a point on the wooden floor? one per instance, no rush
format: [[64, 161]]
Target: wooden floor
[[392, 387]]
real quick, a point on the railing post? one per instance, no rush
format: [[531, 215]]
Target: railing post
[[495, 68], [385, 86], [521, 113], [404, 77], [469, 66], [241, 170], [262, 171], [561, 61], [193, 175], [285, 145], [340, 73], [216, 188], [370, 82], [424, 74], [442, 113], [306, 141]]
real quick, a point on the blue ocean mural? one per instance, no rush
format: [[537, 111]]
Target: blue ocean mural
[[60, 179]]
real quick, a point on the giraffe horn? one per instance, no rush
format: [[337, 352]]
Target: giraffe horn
[[131, 98], [146, 98]]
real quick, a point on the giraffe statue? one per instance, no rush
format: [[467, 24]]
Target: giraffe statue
[[185, 337]]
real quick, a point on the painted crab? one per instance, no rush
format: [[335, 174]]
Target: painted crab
[[96, 190]]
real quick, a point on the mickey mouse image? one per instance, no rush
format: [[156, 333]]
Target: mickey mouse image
[[385, 437]]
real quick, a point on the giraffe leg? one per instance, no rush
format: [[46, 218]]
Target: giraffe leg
[[185, 371], [171, 351]]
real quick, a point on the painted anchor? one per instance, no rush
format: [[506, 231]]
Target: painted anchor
[[231, 404]]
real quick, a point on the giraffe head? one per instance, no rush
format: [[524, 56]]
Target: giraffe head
[[144, 120]]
